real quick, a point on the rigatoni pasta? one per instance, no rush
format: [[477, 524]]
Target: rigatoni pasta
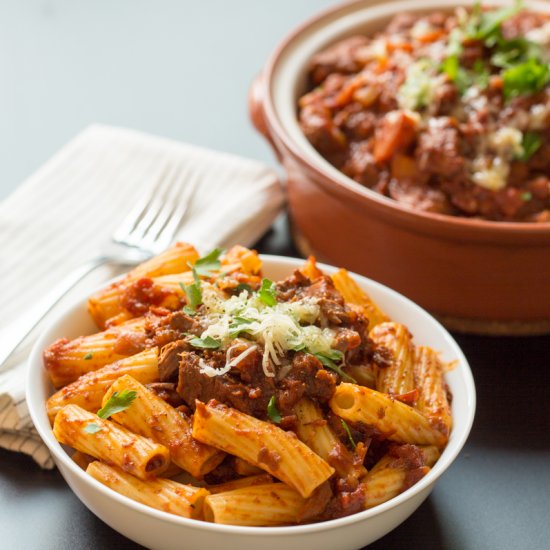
[[391, 418], [263, 445], [163, 494], [152, 417], [265, 402], [105, 440], [257, 505], [397, 378], [88, 390]]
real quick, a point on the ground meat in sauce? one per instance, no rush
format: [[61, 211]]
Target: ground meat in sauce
[[167, 392], [457, 152]]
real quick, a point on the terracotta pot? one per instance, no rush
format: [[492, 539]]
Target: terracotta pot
[[477, 276]]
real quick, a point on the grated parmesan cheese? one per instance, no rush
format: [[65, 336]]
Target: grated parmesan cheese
[[492, 176], [279, 328], [538, 117], [420, 86], [506, 142]]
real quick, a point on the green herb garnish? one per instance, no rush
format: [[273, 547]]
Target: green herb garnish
[[526, 196], [88, 356], [348, 431], [486, 25], [189, 310], [526, 78], [206, 265], [273, 411], [193, 293], [117, 403], [530, 143], [511, 52], [205, 343], [328, 360], [238, 325], [299, 347], [92, 428], [268, 293]]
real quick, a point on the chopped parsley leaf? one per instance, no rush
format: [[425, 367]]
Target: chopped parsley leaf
[[526, 196], [189, 310], [348, 431], [526, 78], [328, 361], [273, 411], [88, 356], [268, 293], [193, 293], [205, 343], [206, 265], [117, 403], [530, 143], [92, 428], [238, 325]]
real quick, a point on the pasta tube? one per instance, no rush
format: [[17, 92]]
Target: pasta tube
[[363, 374], [163, 494], [432, 400], [243, 468], [314, 431], [398, 377], [65, 360], [106, 304], [262, 444], [89, 389], [261, 505], [310, 269], [353, 294], [82, 459], [389, 478], [260, 479], [102, 439], [397, 421], [152, 417]]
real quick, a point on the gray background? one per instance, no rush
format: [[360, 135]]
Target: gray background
[[182, 69]]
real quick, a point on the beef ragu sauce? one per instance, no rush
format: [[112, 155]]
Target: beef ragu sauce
[[267, 390], [445, 113]]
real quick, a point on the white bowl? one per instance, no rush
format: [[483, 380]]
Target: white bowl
[[156, 529]]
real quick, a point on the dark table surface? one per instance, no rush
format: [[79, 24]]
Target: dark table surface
[[495, 495]]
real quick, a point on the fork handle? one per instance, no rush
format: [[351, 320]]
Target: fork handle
[[16, 332]]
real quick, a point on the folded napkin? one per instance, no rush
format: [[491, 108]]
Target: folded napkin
[[65, 212]]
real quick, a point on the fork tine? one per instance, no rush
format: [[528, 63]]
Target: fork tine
[[138, 235], [131, 221], [176, 208], [171, 200]]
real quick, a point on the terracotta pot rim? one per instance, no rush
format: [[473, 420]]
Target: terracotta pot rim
[[337, 182]]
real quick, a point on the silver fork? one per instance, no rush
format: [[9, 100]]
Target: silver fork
[[147, 230]]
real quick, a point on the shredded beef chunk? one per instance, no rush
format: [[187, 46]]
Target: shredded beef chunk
[[171, 326], [226, 388], [169, 360], [330, 301]]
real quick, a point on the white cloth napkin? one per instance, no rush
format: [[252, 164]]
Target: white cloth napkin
[[62, 215]]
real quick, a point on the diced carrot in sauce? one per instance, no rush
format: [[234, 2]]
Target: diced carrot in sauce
[[395, 133]]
